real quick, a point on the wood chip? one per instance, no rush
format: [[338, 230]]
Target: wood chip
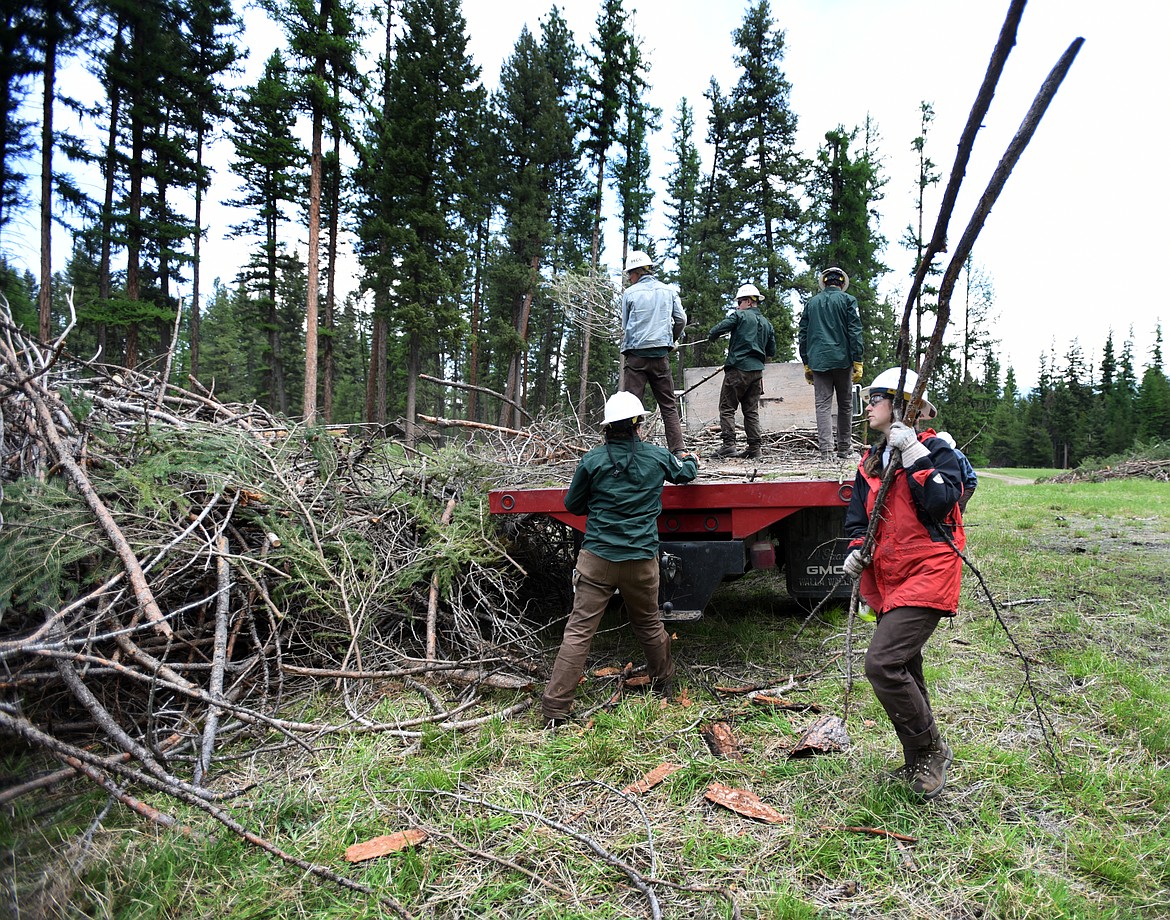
[[383, 846], [653, 778], [743, 803]]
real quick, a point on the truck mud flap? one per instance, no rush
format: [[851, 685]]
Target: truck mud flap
[[814, 553], [691, 571]]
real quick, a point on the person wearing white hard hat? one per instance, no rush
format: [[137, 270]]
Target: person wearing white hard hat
[[830, 343], [753, 341], [912, 580], [970, 480], [652, 320], [618, 486]]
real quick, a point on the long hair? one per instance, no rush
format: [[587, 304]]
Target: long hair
[[625, 430]]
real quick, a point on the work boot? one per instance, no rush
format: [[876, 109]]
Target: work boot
[[903, 773], [848, 455], [929, 773], [663, 687], [827, 456], [751, 453], [727, 450]]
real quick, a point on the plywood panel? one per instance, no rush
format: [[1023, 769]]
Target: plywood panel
[[787, 402]]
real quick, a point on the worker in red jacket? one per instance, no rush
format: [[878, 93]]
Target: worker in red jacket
[[913, 579]]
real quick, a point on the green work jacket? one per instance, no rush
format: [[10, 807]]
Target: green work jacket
[[619, 486], [753, 340], [830, 331]]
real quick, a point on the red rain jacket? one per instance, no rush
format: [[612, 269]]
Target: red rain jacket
[[913, 565]]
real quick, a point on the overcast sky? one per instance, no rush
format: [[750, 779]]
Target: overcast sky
[[1083, 216], [1082, 221]]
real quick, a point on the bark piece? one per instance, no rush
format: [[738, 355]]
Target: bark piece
[[653, 778], [721, 740], [384, 845], [743, 803], [827, 735]]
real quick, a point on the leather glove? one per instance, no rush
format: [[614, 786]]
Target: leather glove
[[687, 455], [902, 438], [853, 565], [858, 370], [808, 373]]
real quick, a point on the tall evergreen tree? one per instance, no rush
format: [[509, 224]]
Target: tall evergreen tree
[[57, 28], [322, 39], [17, 65], [631, 179], [416, 229], [212, 50], [527, 116], [914, 237], [571, 234], [1118, 394], [845, 188], [1152, 404], [605, 73], [268, 161], [765, 165]]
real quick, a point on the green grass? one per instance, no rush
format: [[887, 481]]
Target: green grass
[[1079, 575]]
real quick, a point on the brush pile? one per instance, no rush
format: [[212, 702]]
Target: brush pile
[[177, 575]]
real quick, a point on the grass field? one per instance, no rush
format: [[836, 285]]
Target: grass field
[[1062, 819]]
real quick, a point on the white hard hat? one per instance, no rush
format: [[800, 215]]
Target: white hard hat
[[887, 382], [945, 437], [638, 259], [748, 290], [828, 272], [622, 406]]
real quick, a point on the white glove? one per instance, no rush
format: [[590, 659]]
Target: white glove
[[853, 565], [904, 439], [900, 436]]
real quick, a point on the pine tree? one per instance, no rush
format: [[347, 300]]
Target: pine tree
[[914, 237], [527, 115], [765, 165], [1118, 391], [631, 178], [212, 51], [845, 189], [1005, 444], [17, 65], [416, 228], [570, 225], [56, 29], [268, 160], [322, 40], [1152, 404], [600, 113]]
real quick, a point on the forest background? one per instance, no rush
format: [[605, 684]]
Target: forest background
[[476, 219]]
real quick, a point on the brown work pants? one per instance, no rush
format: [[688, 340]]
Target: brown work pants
[[827, 384], [594, 583], [742, 390], [893, 665], [656, 372]]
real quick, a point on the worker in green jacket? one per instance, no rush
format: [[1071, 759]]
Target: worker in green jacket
[[830, 345], [753, 341], [619, 487]]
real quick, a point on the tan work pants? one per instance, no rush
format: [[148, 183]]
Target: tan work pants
[[595, 581]]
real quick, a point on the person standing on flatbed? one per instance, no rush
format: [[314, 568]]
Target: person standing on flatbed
[[753, 341], [830, 344]]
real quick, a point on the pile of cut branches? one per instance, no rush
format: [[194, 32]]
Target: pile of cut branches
[[1131, 468], [177, 573]]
